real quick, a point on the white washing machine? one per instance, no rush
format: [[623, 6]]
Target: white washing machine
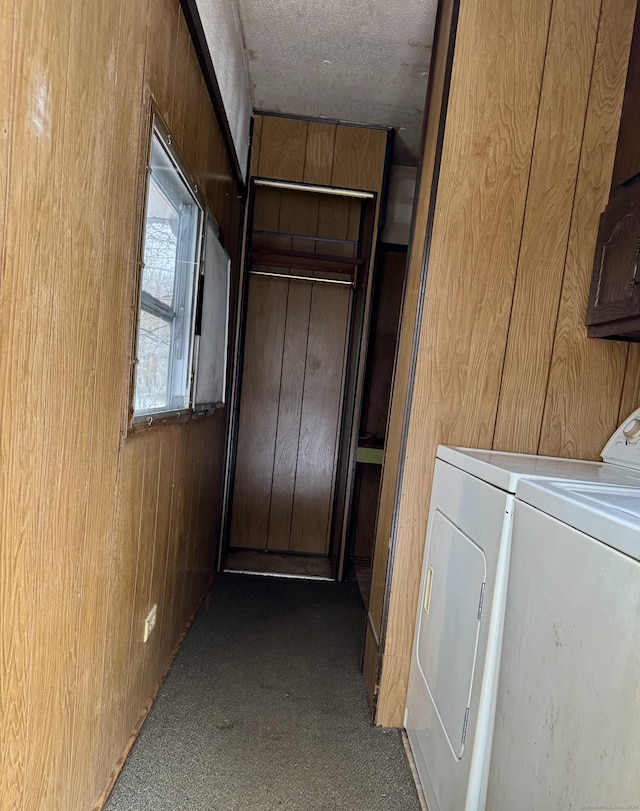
[[453, 681], [567, 726]]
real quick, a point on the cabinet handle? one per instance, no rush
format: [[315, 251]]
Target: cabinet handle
[[634, 281]]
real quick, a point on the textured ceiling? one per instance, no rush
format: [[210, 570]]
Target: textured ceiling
[[355, 60]]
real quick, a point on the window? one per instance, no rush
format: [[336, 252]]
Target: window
[[181, 347], [213, 328]]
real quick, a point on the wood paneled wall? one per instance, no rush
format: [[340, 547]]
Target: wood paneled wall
[[295, 345], [503, 360], [324, 153], [315, 152], [94, 527]]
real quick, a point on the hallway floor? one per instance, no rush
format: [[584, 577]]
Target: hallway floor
[[265, 708]]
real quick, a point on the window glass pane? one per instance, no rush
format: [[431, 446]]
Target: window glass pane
[[154, 357], [160, 245], [173, 220]]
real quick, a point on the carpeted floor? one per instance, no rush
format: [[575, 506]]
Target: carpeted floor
[[265, 709]]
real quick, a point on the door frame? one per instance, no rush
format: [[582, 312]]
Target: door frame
[[354, 375]]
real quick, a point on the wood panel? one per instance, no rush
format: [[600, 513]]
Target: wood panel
[[90, 516], [283, 146], [144, 567], [370, 666], [159, 71], [486, 159], [257, 427], [291, 395], [66, 443], [384, 337], [574, 399], [256, 134], [296, 216], [320, 418], [115, 724], [318, 165], [358, 159], [590, 383], [91, 171], [36, 150], [365, 502], [326, 355], [311, 151], [7, 20], [410, 313], [630, 398], [550, 202]]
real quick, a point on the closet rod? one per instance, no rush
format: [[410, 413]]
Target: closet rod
[[291, 277], [287, 184]]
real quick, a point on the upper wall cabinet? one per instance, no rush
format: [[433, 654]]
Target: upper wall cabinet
[[614, 298]]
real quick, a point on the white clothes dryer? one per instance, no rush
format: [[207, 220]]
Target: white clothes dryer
[[453, 681]]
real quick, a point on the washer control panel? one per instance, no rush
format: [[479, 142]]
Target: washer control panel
[[624, 446]]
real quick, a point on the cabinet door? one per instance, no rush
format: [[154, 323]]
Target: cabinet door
[[615, 283]]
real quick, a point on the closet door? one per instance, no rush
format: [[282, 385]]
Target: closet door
[[296, 340]]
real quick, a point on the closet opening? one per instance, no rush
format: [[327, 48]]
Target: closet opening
[[304, 314]]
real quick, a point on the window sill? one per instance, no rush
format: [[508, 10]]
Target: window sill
[[151, 422]]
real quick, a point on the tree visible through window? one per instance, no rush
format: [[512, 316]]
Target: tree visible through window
[[173, 222]]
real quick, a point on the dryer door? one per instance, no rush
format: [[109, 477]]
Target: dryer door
[[447, 642]]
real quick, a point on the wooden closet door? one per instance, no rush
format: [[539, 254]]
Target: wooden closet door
[[290, 412]]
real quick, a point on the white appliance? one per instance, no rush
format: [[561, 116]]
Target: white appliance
[[451, 700], [567, 726]]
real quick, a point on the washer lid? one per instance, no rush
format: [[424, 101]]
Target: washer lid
[[608, 513], [504, 470]]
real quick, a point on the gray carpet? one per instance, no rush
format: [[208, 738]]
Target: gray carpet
[[265, 708]]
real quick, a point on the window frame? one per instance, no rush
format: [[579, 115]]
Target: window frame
[[145, 302]]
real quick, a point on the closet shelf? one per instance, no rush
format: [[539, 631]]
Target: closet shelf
[[304, 261], [336, 240]]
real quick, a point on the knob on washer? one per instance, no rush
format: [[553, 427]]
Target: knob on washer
[[631, 431]]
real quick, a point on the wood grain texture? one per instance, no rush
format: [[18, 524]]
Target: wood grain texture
[[283, 147], [320, 418], [258, 421], [384, 337], [162, 35], [358, 158], [370, 666], [296, 216], [292, 383], [477, 226], [40, 42], [88, 517], [7, 30], [590, 382], [365, 502], [552, 186], [587, 376], [427, 183], [256, 135], [318, 163], [627, 160], [630, 398]]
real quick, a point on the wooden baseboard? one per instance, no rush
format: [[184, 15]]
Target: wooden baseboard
[[104, 796]]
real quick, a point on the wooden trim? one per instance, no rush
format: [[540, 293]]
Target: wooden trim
[[106, 791], [236, 378], [358, 394], [420, 302], [337, 121], [198, 37]]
